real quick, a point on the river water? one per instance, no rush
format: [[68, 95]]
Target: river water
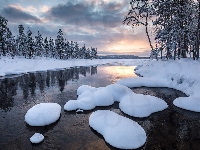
[[172, 128]]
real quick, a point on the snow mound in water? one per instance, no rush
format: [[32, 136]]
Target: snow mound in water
[[136, 105], [139, 105], [43, 114], [117, 130], [189, 103], [37, 138]]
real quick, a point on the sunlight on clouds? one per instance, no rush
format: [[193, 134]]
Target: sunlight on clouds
[[30, 9], [44, 9], [127, 46]]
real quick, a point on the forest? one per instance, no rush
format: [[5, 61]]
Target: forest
[[175, 24], [27, 46]]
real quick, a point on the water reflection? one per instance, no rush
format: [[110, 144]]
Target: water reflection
[[29, 83], [171, 129]]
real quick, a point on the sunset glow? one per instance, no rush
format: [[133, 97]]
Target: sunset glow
[[93, 23]]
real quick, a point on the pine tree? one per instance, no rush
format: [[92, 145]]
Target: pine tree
[[21, 41], [71, 48], [46, 48], [39, 46], [30, 45], [51, 48], [67, 50], [60, 45], [75, 50], [3, 30], [10, 44]]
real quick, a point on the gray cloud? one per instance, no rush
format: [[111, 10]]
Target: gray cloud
[[17, 15], [108, 14]]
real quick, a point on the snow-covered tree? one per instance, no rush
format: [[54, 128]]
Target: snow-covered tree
[[71, 48], [3, 30], [30, 45], [51, 48], [60, 45], [39, 46], [75, 50], [46, 48], [21, 42], [139, 14], [10, 44], [175, 25]]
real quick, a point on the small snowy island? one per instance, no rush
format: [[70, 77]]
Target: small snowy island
[[43, 114], [117, 130], [37, 138]]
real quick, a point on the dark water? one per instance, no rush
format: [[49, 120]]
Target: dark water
[[172, 128]]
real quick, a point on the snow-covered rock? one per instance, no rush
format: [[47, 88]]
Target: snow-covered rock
[[37, 138], [43, 114], [139, 105], [118, 131], [84, 88], [136, 105], [189, 103]]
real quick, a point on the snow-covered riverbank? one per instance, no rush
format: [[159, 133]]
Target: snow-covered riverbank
[[22, 65], [183, 75]]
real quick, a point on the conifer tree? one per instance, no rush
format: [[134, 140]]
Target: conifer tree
[[21, 41], [10, 44], [60, 45], [30, 45], [51, 48], [3, 30], [39, 46], [46, 48]]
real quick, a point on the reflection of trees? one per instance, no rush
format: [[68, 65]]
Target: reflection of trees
[[61, 80], [23, 82], [48, 79], [41, 78], [93, 70], [32, 81], [8, 88]]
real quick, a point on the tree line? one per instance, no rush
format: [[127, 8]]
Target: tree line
[[176, 25], [28, 47]]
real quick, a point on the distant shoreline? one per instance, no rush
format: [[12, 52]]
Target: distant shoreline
[[121, 57]]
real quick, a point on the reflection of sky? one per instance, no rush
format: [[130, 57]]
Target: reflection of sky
[[108, 75], [97, 23]]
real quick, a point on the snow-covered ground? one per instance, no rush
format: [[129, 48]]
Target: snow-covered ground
[[22, 65], [183, 75]]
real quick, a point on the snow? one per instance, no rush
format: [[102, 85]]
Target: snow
[[139, 105], [37, 138], [79, 111], [20, 65], [118, 131], [43, 114], [136, 105], [189, 103], [182, 75]]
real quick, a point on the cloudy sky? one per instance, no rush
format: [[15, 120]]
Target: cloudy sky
[[96, 23]]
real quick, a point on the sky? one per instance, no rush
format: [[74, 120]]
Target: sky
[[95, 23]]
